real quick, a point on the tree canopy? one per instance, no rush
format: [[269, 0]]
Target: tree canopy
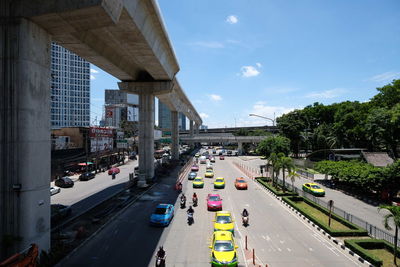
[[274, 144], [374, 125]]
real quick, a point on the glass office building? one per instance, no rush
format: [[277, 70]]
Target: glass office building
[[70, 89], [164, 118]]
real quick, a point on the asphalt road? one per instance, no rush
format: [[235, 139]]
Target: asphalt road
[[278, 236], [85, 194], [357, 207]]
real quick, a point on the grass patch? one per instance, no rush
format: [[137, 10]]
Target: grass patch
[[267, 182], [320, 215], [376, 251]]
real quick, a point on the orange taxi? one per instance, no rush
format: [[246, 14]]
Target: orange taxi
[[240, 183]]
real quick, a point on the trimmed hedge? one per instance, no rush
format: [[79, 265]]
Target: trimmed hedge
[[357, 231], [361, 246], [264, 181]]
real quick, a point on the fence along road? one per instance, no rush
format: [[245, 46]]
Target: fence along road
[[345, 206]]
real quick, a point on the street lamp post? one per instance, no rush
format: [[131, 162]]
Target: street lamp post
[[273, 120]]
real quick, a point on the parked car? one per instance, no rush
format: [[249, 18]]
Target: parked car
[[64, 182], [54, 190], [86, 176], [113, 170], [59, 212], [229, 153], [162, 215]]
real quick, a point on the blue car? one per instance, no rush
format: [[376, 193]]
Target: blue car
[[192, 175], [162, 215]]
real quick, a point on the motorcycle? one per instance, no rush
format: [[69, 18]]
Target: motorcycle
[[195, 202], [183, 203], [245, 220], [160, 262], [190, 218]]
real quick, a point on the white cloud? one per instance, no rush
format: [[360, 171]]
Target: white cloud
[[211, 44], [203, 115], [94, 71], [215, 98], [262, 109], [327, 94], [92, 77], [385, 77], [258, 65], [249, 71], [232, 19]]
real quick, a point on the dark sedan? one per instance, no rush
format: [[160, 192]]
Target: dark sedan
[[64, 182], [86, 176]]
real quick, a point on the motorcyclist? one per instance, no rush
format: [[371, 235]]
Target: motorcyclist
[[183, 197], [161, 252], [190, 213], [180, 186], [194, 198], [245, 213]]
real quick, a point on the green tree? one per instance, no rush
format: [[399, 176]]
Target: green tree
[[274, 144], [388, 96], [394, 214], [291, 125], [287, 165], [293, 175]]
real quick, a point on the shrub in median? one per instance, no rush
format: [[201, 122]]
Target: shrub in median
[[351, 229], [364, 247], [266, 182]]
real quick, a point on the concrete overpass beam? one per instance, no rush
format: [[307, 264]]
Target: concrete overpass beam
[[174, 135], [25, 135]]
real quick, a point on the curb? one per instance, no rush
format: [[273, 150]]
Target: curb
[[334, 240]]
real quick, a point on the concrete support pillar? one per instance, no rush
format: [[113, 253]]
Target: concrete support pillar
[[191, 128], [24, 135], [146, 138], [146, 92], [191, 132], [174, 135], [240, 148], [196, 129]]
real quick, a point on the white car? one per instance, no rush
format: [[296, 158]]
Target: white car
[[54, 190]]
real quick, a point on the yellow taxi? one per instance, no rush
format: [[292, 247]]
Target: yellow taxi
[[223, 249], [198, 182], [313, 189], [209, 174], [224, 222], [219, 182]]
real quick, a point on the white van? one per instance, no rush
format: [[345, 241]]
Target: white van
[[203, 160]]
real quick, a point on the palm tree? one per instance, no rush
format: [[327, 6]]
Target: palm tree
[[394, 214], [286, 164], [273, 158], [292, 175]]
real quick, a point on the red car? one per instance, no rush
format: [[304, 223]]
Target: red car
[[240, 183], [221, 157], [214, 202], [113, 170]]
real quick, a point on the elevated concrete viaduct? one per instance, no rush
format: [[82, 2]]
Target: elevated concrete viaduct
[[222, 139], [126, 39]]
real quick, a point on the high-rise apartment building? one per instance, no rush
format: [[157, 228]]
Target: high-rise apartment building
[[164, 118], [120, 107], [70, 89]]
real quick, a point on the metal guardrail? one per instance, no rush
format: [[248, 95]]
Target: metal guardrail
[[373, 230], [306, 174]]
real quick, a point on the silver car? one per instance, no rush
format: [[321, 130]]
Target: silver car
[[54, 190]]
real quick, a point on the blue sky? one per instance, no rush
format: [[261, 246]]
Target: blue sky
[[239, 57]]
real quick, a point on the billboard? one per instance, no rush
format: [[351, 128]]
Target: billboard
[[99, 144], [100, 132]]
